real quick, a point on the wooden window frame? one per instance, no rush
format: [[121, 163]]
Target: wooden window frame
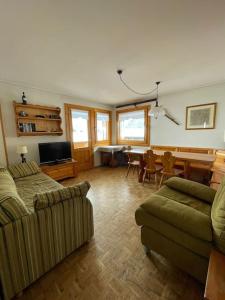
[[93, 125], [146, 141], [109, 140]]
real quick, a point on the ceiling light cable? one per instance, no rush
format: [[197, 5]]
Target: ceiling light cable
[[119, 72]]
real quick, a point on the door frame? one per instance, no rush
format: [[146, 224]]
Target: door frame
[[68, 109]]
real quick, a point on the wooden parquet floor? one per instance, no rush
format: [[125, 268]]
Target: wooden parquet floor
[[113, 265]]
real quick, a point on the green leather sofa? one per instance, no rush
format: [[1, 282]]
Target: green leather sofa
[[182, 222]]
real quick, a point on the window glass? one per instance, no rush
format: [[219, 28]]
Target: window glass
[[102, 125], [132, 125], [80, 126]]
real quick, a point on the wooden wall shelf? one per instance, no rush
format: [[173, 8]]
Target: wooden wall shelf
[[34, 106], [39, 133], [38, 119], [31, 125]]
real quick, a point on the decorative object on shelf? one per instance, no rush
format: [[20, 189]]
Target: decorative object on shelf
[[201, 116], [24, 99], [23, 114], [22, 150], [54, 117], [34, 120], [40, 116], [157, 110]]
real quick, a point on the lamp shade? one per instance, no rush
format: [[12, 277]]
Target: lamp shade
[[157, 111], [21, 149]]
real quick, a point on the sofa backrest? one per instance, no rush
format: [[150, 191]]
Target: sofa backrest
[[24, 169], [218, 217], [12, 206], [47, 199]]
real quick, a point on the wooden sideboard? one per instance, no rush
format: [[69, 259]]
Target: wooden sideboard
[[218, 169], [215, 283], [60, 171]]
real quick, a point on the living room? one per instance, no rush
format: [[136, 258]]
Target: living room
[[119, 92]]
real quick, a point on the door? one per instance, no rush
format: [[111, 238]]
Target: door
[[79, 132]]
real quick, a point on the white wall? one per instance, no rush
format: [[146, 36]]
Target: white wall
[[164, 132], [8, 93]]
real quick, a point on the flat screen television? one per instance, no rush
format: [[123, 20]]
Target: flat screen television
[[54, 152]]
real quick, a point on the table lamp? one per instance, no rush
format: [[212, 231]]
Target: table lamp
[[22, 150]]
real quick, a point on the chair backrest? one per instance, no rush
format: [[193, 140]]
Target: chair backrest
[[164, 148], [196, 150], [133, 157], [218, 217], [150, 159], [168, 161]]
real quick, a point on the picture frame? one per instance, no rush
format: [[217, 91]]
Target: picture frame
[[202, 116]]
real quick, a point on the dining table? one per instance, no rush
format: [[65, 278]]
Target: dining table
[[186, 157]]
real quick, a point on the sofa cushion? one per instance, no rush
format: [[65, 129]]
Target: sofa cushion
[[218, 217], [12, 206], [196, 245], [185, 199], [28, 186], [192, 188], [181, 216], [47, 199], [24, 169]]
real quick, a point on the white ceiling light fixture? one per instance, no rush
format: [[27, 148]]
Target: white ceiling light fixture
[[157, 110]]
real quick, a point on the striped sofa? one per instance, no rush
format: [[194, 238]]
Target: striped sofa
[[41, 222]]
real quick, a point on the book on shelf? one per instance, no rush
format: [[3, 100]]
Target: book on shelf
[[27, 127]]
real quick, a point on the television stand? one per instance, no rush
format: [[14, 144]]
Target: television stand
[[60, 171], [57, 162]]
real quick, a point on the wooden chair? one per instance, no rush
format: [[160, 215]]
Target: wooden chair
[[151, 167], [168, 162], [162, 148], [133, 163]]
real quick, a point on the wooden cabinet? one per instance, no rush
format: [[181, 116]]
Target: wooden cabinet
[[215, 283], [36, 120], [61, 171], [218, 169]]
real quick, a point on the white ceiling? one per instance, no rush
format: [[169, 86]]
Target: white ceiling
[[74, 47]]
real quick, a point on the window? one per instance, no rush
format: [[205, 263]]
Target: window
[[103, 121], [80, 119], [87, 127], [133, 126]]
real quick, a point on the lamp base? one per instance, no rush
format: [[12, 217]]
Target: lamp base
[[23, 158]]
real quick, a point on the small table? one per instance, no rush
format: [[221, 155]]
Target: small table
[[215, 283], [112, 150]]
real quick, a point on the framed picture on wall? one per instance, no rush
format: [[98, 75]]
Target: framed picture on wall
[[201, 116]]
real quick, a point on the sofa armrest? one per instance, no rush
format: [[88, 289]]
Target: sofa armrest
[[48, 199], [192, 188], [181, 216]]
